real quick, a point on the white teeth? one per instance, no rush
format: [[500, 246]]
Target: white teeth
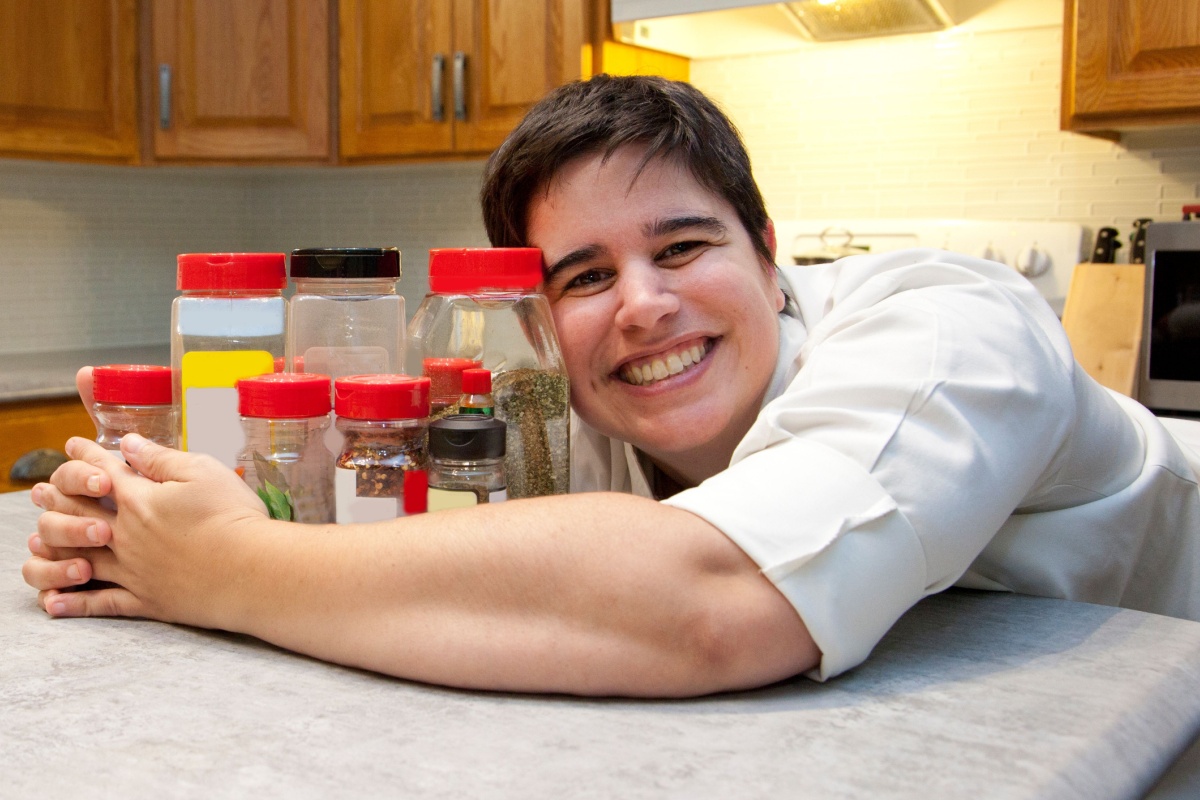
[[658, 369]]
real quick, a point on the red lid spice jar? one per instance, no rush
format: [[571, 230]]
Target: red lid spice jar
[[133, 398], [446, 382], [285, 460], [484, 304], [477, 393], [384, 421]]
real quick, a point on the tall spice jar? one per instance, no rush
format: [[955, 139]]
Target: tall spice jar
[[227, 324], [383, 420], [484, 305], [284, 458], [133, 398]]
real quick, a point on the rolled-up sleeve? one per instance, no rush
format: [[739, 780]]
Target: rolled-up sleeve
[[929, 398]]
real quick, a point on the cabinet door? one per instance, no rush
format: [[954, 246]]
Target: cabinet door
[[1131, 62], [240, 80], [68, 79], [394, 78], [515, 51], [37, 424]]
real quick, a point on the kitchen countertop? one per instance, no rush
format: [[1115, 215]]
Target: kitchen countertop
[[992, 695], [41, 376]]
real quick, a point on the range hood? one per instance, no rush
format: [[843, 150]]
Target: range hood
[[714, 28]]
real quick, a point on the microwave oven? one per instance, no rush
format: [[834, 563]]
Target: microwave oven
[[1169, 367]]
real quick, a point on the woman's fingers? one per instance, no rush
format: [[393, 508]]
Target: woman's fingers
[[108, 602], [80, 478], [43, 574], [49, 498]]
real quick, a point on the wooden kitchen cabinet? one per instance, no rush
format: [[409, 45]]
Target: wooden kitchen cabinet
[[239, 80], [448, 77], [31, 425], [1130, 64], [68, 79]]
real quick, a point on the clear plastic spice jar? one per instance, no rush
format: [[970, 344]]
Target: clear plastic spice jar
[[383, 420], [466, 461], [484, 305], [345, 317], [445, 382], [284, 459], [227, 324], [133, 398]]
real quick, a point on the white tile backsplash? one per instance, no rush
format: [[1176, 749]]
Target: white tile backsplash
[[963, 124]]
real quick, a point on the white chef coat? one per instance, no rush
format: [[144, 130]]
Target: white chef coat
[[927, 426]]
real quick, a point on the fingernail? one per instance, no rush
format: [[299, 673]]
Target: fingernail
[[133, 443], [35, 494], [93, 534], [93, 483], [57, 607], [35, 544], [73, 572]]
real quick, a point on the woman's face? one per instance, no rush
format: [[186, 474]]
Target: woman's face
[[665, 312]]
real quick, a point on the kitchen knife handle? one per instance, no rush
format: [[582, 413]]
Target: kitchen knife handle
[[1105, 251], [164, 96], [460, 89], [435, 88], [1137, 241]]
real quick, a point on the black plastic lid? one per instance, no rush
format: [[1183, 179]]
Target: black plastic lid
[[345, 262], [466, 437]]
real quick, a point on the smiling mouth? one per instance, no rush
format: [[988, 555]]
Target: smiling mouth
[[646, 371]]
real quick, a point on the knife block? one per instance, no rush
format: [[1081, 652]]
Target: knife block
[[1103, 319]]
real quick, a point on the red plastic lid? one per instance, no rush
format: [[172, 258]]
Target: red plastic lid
[[481, 269], [446, 375], [284, 395], [132, 384], [416, 491], [477, 381], [381, 397], [230, 271]]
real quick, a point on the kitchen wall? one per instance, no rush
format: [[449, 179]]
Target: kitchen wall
[[953, 125]]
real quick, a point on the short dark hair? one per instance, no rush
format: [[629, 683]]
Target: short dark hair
[[671, 119]]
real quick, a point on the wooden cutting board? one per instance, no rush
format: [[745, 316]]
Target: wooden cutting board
[[1103, 319]]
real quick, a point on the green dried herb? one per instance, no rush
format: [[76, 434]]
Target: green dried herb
[[279, 504]]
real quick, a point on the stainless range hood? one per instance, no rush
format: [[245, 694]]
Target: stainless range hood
[[713, 28]]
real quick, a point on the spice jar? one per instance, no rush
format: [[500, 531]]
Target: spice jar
[[284, 459], [227, 324], [133, 398], [345, 317], [383, 420], [476, 395], [484, 305], [466, 461], [445, 382]]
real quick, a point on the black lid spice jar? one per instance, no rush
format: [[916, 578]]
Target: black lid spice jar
[[383, 420], [466, 461]]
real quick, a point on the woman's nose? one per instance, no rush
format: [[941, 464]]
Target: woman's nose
[[646, 296]]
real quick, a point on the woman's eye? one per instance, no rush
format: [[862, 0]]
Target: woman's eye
[[585, 279], [678, 249]]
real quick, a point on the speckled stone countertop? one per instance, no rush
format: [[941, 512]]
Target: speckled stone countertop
[[971, 695], [37, 376]]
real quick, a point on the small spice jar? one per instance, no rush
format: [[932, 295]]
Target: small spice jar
[[477, 393], [383, 420], [285, 460], [133, 398], [466, 461]]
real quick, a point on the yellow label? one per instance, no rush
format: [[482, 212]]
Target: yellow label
[[205, 369], [442, 499]]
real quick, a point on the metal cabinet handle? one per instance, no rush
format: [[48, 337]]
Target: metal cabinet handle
[[437, 101], [164, 96], [460, 89]]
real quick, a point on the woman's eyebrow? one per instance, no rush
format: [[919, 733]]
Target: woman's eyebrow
[[571, 259], [669, 225]]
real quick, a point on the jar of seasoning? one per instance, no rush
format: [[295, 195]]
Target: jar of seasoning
[[477, 393], [345, 317], [227, 324], [284, 459], [446, 382], [466, 461], [484, 305], [133, 398], [383, 420]]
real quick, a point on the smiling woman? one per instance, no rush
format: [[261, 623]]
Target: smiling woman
[[769, 465]]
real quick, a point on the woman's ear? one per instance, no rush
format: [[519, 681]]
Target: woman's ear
[[769, 238]]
